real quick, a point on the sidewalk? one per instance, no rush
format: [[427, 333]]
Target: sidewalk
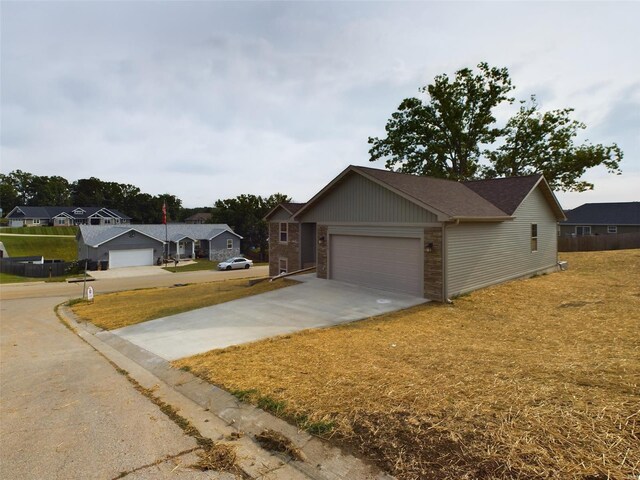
[[218, 414]]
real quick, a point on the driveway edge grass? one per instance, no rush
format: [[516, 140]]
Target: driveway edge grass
[[120, 309]]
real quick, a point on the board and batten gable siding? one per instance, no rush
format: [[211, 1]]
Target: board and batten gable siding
[[481, 254], [357, 199], [281, 215]]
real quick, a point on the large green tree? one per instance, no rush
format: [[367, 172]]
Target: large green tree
[[454, 134], [543, 142], [245, 215]]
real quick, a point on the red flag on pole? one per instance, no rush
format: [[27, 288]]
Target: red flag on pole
[[164, 213]]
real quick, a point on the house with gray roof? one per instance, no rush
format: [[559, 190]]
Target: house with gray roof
[[602, 219], [418, 235], [65, 216], [139, 245]]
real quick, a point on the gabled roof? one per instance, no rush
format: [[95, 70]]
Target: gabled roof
[[509, 193], [484, 200], [95, 235], [615, 213], [52, 212], [290, 207]]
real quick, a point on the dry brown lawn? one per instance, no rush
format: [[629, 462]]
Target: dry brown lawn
[[538, 378], [116, 310]]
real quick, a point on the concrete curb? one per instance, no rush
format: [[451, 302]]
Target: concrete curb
[[218, 414]]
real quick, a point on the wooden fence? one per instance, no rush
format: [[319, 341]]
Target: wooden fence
[[53, 268], [591, 243]]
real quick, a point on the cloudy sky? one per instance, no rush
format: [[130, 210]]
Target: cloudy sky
[[209, 100]]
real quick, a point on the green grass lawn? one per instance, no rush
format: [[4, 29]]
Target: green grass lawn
[[8, 278], [41, 230], [63, 248]]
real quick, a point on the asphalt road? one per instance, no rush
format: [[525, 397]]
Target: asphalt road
[[66, 412], [74, 290]]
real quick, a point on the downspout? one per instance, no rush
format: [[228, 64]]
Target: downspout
[[444, 263]]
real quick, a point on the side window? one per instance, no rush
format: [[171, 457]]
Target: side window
[[583, 230], [534, 237], [229, 243], [284, 232], [612, 229], [282, 266]]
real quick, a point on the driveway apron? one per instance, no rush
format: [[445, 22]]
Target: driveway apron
[[314, 303]]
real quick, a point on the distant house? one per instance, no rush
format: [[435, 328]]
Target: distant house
[[418, 235], [139, 245], [199, 218], [602, 219], [65, 216]]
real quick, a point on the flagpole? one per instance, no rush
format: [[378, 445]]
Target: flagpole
[[166, 232]]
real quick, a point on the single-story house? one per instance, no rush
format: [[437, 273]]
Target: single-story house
[[65, 216], [418, 235], [138, 245], [198, 218], [601, 219]]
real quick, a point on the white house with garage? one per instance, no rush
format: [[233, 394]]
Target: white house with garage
[[141, 245], [418, 235]]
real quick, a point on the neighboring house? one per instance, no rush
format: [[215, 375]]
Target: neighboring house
[[602, 219], [65, 216], [138, 245], [418, 235], [199, 218]]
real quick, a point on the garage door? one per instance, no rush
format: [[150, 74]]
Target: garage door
[[130, 258], [386, 263]]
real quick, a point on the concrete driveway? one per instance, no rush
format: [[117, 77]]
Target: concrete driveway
[[314, 303]]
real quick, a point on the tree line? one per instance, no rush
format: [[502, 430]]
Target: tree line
[[243, 213], [22, 188]]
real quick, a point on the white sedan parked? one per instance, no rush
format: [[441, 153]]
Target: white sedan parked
[[235, 262]]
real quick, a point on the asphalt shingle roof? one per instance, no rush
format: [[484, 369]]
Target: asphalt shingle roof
[[97, 234], [620, 213], [452, 198], [50, 212]]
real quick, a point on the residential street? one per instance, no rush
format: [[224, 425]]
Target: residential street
[[66, 412]]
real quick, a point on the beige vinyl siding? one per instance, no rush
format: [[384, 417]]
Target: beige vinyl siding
[[481, 254], [357, 199]]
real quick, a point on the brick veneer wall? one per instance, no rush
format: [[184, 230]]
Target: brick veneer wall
[[433, 271], [321, 266], [289, 250]]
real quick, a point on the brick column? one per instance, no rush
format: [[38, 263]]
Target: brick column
[[323, 248], [433, 271]]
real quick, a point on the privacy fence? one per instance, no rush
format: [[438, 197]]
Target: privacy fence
[[591, 243], [53, 268]]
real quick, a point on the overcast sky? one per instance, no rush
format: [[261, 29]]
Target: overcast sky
[[209, 100]]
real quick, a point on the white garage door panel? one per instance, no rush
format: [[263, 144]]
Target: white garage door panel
[[130, 258], [386, 263]]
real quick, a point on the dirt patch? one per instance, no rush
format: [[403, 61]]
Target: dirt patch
[[277, 442]]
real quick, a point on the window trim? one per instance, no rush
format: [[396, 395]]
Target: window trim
[[286, 265], [588, 227], [612, 229], [35, 221], [285, 232], [229, 243], [534, 237]]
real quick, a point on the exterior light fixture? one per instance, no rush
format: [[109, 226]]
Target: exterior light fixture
[[429, 247]]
